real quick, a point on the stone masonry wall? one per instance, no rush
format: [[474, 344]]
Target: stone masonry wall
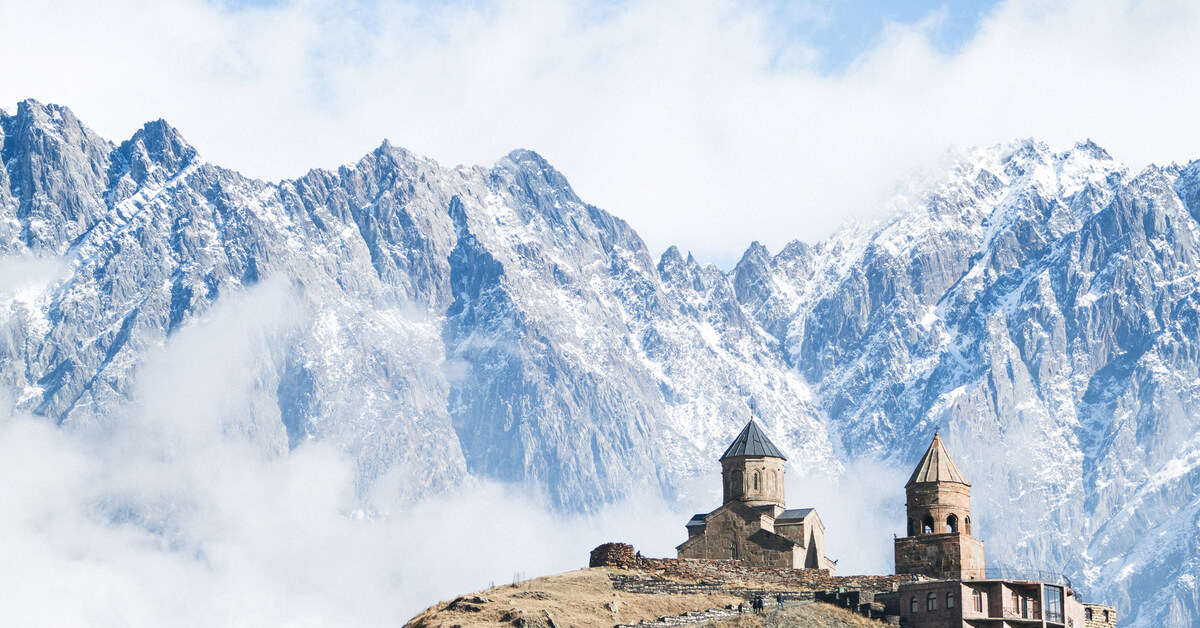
[[737, 475], [951, 556], [615, 555], [1102, 616], [938, 501], [671, 575], [737, 526]]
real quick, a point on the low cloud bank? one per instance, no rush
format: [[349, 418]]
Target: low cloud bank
[[95, 533], [182, 511], [862, 509]]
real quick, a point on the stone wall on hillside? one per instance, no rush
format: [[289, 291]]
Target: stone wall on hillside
[[1099, 616], [728, 574]]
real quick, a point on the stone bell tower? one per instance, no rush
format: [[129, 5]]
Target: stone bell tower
[[939, 542], [752, 470]]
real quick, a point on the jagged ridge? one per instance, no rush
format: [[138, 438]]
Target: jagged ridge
[[1039, 308]]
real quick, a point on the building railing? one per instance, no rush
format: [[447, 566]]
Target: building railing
[[1006, 573]]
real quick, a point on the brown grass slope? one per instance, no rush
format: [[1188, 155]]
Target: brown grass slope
[[586, 598], [814, 615]]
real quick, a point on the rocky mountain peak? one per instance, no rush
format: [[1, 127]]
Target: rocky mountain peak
[[1039, 307], [57, 170], [156, 146]]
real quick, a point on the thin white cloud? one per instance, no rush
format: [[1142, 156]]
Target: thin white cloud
[[186, 507], [677, 116], [98, 534], [178, 512], [858, 508]]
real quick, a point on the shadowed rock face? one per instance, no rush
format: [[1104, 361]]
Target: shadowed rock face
[[1039, 308], [454, 321]]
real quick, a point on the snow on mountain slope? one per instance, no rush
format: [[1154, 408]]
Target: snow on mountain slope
[[459, 321], [1039, 308]]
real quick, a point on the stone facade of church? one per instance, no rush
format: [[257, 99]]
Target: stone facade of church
[[940, 559], [753, 525], [939, 543]]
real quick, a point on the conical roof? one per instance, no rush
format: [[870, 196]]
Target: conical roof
[[752, 442], [937, 466]]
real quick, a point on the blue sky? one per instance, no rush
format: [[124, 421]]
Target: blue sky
[[706, 125], [842, 30]]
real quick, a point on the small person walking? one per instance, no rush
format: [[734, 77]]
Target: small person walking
[[779, 601]]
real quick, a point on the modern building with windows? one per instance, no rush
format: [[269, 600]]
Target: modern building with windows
[[960, 591], [990, 603]]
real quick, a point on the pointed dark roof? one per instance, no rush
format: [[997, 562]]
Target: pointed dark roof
[[937, 466], [752, 442]]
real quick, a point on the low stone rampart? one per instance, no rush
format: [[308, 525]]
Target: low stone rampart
[[684, 575]]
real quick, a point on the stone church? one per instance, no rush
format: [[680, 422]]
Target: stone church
[[939, 543], [753, 525]]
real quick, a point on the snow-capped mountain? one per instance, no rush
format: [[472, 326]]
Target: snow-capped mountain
[[462, 320], [1039, 308]]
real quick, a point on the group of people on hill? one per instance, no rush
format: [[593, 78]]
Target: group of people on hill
[[758, 604]]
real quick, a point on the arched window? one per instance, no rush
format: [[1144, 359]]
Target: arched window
[[1087, 614], [912, 528], [967, 523], [977, 597], [756, 481], [952, 523], [1106, 615], [912, 605], [738, 489], [733, 550], [931, 601], [927, 525], [950, 599]]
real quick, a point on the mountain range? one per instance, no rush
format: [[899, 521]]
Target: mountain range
[[1039, 308]]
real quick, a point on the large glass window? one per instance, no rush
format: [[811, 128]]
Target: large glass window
[[977, 597], [1030, 606], [912, 605], [931, 602], [1054, 604], [950, 599]]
